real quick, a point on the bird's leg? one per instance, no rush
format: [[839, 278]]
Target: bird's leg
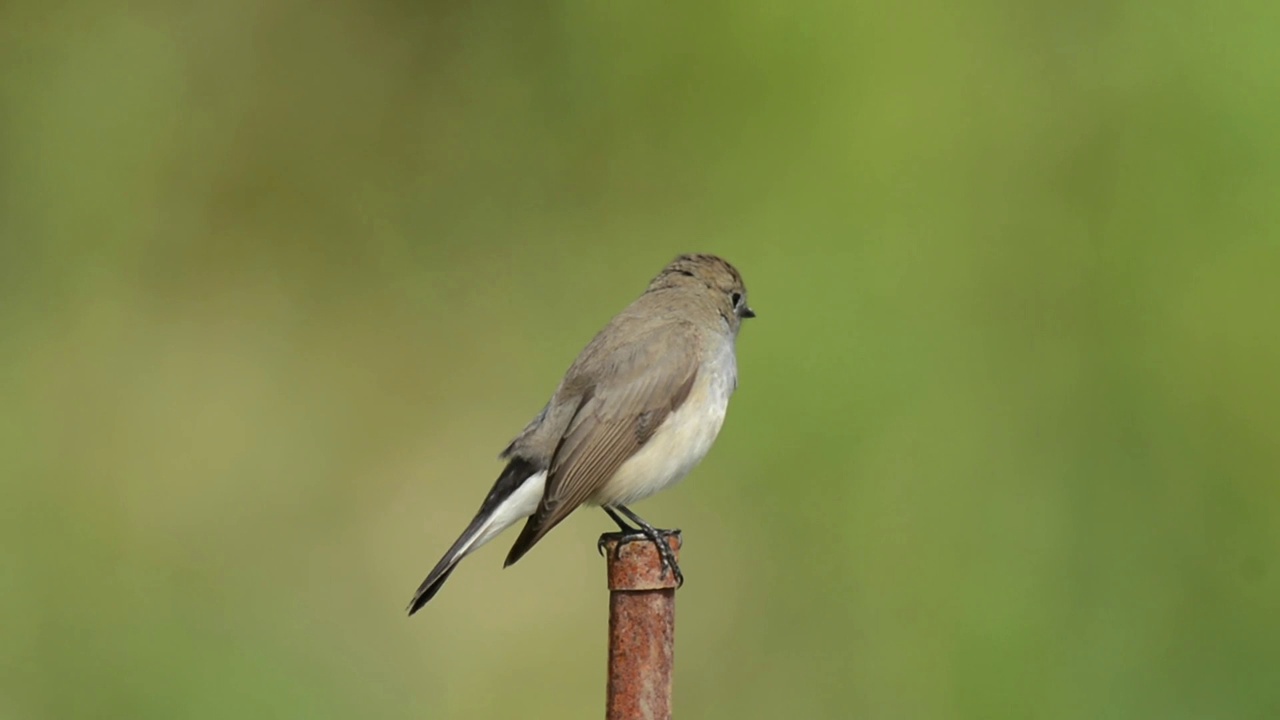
[[621, 524], [657, 537], [626, 530]]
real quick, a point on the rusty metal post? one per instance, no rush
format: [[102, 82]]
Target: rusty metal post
[[642, 628]]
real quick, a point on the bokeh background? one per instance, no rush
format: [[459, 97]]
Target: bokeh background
[[278, 280]]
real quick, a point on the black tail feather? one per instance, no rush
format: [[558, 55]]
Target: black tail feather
[[441, 571], [516, 472], [432, 585]]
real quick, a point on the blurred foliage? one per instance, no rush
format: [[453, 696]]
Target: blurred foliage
[[278, 280]]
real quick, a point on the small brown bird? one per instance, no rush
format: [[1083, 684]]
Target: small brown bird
[[637, 410]]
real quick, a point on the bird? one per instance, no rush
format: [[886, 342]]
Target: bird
[[637, 410]]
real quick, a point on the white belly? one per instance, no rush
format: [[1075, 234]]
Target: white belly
[[681, 442]]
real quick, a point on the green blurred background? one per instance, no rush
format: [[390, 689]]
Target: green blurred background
[[278, 280]]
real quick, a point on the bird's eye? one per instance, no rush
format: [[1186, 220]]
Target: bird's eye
[[736, 298]]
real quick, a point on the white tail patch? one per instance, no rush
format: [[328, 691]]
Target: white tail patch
[[519, 505]]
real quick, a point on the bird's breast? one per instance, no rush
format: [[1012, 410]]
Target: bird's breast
[[682, 440]]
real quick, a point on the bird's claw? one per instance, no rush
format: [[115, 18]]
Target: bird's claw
[[659, 539], [669, 559], [604, 540]]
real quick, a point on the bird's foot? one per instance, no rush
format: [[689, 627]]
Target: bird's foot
[[648, 534]]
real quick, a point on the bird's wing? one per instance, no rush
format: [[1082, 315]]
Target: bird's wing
[[645, 382]]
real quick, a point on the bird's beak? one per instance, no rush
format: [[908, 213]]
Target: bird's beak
[[746, 312]]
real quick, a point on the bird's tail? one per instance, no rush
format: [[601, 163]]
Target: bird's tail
[[514, 497], [440, 573]]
